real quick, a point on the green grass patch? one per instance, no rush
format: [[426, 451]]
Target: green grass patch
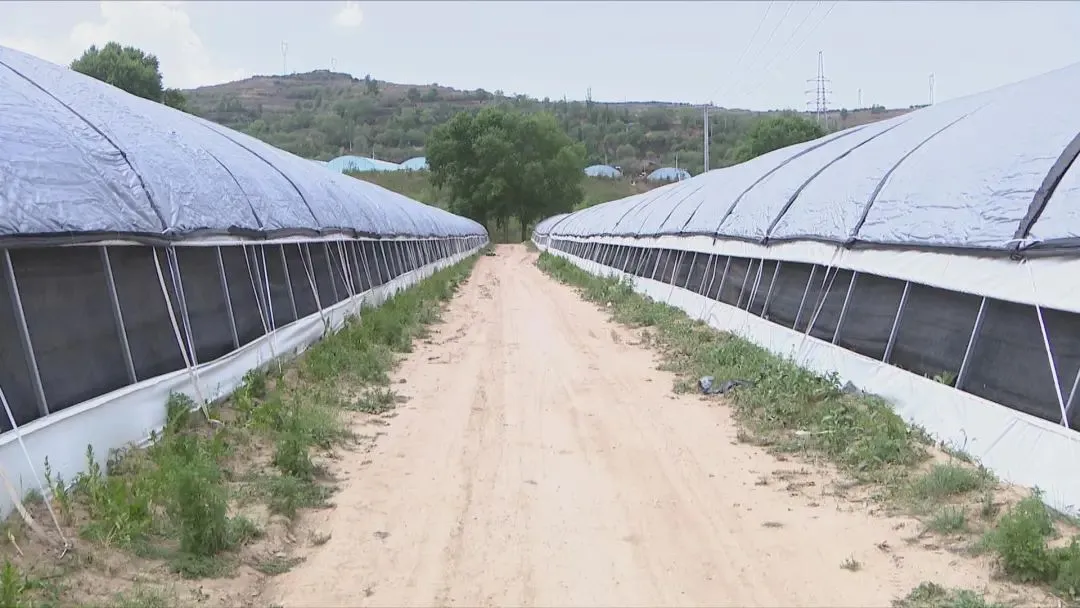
[[375, 401], [950, 519], [948, 480], [932, 595], [1021, 544], [272, 566]]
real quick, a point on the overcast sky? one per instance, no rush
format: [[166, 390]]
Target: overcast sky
[[691, 52]]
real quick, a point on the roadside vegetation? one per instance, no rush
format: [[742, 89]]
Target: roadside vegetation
[[883, 461], [203, 501]]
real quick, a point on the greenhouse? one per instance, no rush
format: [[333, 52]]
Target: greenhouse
[[930, 258], [606, 171], [145, 251], [360, 164]]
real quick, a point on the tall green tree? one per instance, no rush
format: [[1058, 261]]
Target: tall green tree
[[498, 163], [129, 69], [773, 133]]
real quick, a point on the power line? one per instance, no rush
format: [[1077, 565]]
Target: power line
[[731, 88], [734, 66], [749, 44], [761, 76], [772, 35]]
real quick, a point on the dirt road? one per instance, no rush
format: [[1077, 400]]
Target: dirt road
[[542, 460]]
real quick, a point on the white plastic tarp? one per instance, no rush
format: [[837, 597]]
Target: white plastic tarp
[[963, 174], [80, 156]]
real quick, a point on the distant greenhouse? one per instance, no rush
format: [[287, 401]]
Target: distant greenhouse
[[668, 174], [342, 164], [603, 171], [417, 163]]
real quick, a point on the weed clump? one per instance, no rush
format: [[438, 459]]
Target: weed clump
[[1020, 544], [933, 595]]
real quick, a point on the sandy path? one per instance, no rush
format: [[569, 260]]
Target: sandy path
[[542, 460]]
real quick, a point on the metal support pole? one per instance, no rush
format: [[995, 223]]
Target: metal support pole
[[343, 269], [358, 267], [330, 271], [723, 277], [1053, 368], [228, 298], [414, 254], [382, 249], [746, 277], [305, 255], [756, 285], [675, 268], [173, 260], [693, 260], [768, 294], [398, 248], [802, 301], [367, 265], [24, 336], [257, 280], [896, 323], [708, 265], [288, 282], [965, 365], [844, 306], [118, 316], [659, 255], [1072, 395]]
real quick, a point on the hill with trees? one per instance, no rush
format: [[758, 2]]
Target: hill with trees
[[323, 114]]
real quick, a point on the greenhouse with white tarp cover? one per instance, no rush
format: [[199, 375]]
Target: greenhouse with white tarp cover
[[145, 251], [931, 258]]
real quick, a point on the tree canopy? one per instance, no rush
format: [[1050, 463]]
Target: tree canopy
[[129, 69], [774, 133], [498, 163]]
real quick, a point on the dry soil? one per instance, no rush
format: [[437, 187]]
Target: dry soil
[[542, 460]]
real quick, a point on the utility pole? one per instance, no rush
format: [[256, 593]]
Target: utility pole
[[706, 136], [284, 58], [821, 93], [931, 88], [860, 99]]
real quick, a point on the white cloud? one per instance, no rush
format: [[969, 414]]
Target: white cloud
[[159, 27], [350, 15]]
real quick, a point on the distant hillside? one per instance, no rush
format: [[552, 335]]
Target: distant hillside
[[324, 114]]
